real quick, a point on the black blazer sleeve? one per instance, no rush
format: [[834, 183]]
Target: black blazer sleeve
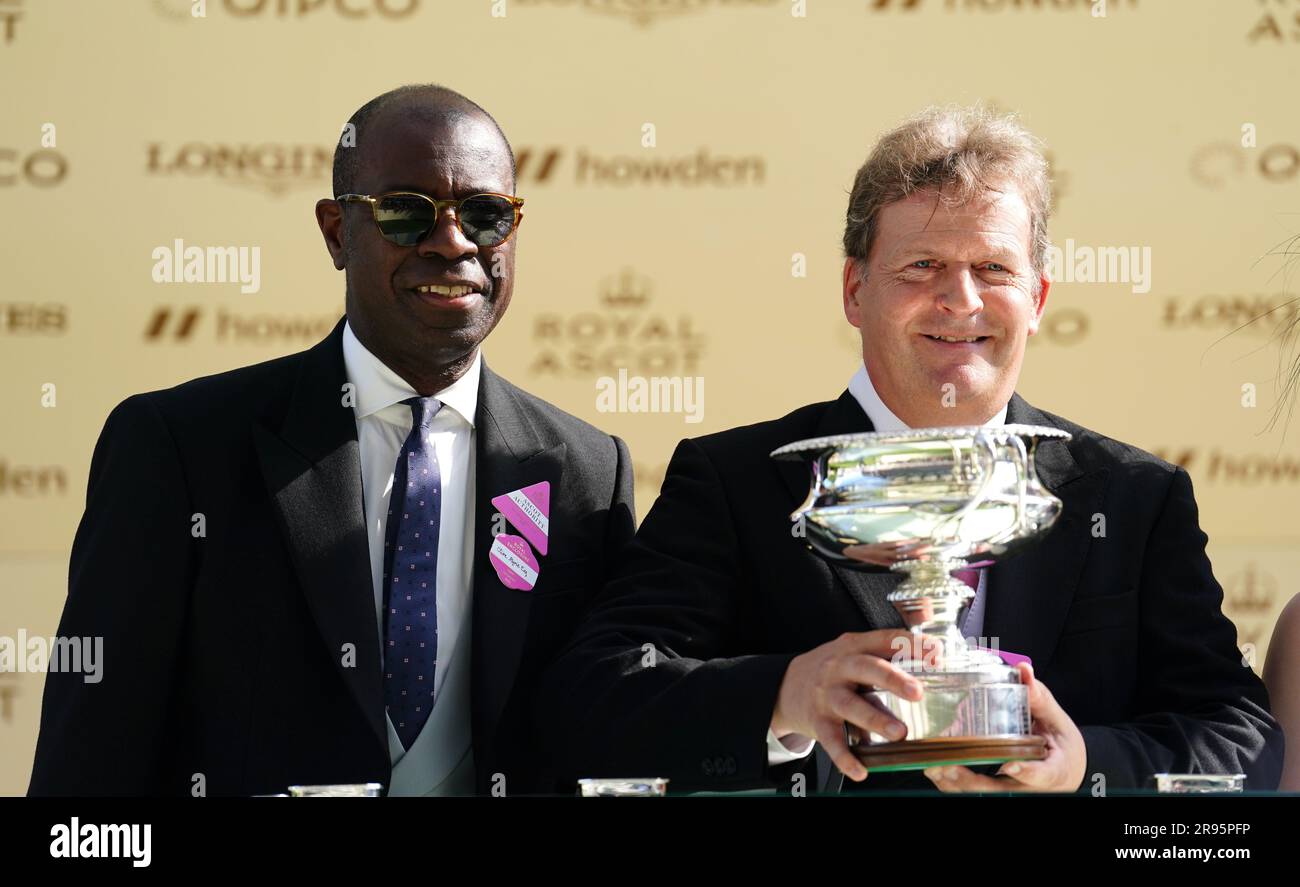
[[1209, 713], [657, 655], [129, 580]]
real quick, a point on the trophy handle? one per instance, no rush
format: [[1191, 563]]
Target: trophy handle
[[1023, 467], [814, 490], [986, 454]]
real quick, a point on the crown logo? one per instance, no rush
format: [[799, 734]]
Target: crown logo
[[625, 290], [1251, 592], [643, 14]]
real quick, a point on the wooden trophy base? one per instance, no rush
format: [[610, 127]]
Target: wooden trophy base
[[917, 754]]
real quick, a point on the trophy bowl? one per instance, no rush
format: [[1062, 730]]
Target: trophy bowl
[[926, 502]]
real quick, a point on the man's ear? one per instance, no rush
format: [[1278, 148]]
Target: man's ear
[[1044, 284], [852, 290], [329, 216]]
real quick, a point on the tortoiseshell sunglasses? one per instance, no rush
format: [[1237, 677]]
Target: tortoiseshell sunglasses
[[406, 217]]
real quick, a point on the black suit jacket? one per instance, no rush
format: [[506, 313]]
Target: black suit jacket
[[1126, 630], [225, 654]]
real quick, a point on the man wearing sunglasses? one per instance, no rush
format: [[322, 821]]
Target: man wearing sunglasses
[[347, 612], [725, 655]]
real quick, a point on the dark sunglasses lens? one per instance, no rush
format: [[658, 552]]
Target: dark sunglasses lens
[[487, 220], [404, 219]]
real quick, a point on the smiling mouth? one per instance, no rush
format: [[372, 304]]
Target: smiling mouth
[[451, 292], [450, 297], [955, 339]]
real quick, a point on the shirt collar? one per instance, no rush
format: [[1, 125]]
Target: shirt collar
[[882, 417], [378, 387]]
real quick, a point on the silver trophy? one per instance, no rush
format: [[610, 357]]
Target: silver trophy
[[926, 502]]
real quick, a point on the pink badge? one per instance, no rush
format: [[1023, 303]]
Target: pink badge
[[528, 510], [514, 562], [1011, 659]]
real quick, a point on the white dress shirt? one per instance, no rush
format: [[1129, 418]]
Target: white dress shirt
[[440, 760], [795, 746]]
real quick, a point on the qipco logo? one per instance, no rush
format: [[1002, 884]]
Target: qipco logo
[[355, 9], [43, 168], [1062, 326], [1223, 163]]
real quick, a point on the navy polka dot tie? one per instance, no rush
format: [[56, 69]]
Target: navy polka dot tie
[[411, 577]]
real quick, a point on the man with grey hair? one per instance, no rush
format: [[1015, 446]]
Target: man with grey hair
[[723, 652]]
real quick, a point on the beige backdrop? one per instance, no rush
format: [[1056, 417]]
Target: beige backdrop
[[677, 259]]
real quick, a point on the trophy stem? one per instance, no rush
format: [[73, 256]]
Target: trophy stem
[[931, 602]]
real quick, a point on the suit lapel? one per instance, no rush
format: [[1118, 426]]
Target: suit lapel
[[866, 586], [509, 455], [312, 468], [1030, 593]]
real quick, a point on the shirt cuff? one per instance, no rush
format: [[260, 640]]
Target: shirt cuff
[[780, 753]]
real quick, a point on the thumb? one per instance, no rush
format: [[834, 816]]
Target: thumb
[[1043, 707], [1037, 692]]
